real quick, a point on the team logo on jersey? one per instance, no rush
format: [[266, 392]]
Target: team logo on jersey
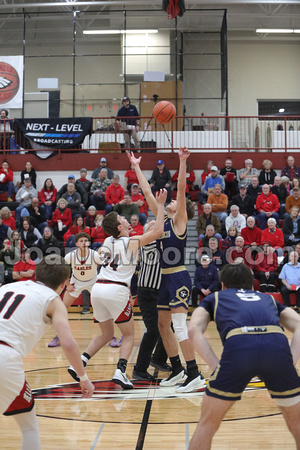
[[183, 293]]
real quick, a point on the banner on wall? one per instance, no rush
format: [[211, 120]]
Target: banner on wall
[[55, 133], [11, 81]]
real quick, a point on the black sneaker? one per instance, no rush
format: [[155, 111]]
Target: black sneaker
[[73, 373], [163, 367], [142, 376]]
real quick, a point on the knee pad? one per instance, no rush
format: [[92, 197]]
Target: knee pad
[[180, 326]]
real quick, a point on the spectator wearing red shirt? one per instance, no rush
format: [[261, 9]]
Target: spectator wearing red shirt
[[265, 268], [240, 253], [139, 200], [24, 269], [98, 235], [190, 178], [7, 218], [113, 194], [267, 205], [251, 234], [130, 178], [206, 171], [61, 219], [136, 228], [47, 198], [274, 236], [77, 227], [6, 180]]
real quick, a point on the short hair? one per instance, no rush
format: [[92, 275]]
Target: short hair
[[236, 276], [293, 207], [207, 204], [267, 161], [210, 225], [212, 239], [52, 271], [62, 200], [234, 206], [271, 219], [82, 235], [248, 160], [218, 184], [110, 224]]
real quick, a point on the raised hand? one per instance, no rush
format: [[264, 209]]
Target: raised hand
[[133, 160], [161, 196], [183, 153]]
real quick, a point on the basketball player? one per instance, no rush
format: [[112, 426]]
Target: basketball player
[[84, 263], [27, 309], [110, 295], [176, 282], [250, 327]]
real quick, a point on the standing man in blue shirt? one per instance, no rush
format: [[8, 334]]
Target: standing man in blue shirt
[[129, 122]]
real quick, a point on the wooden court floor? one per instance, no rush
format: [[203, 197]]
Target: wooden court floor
[[148, 417]]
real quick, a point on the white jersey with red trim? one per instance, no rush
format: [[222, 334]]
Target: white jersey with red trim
[[83, 269], [23, 319], [118, 264]]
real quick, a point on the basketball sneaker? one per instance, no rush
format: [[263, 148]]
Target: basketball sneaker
[[192, 383], [121, 379], [173, 379], [73, 372], [54, 343]]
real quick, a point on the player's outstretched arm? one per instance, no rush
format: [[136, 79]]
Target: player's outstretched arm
[[58, 313], [144, 185], [197, 326], [290, 320], [181, 214]]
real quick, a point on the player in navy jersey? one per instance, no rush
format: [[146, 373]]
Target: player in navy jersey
[[250, 326], [176, 282]]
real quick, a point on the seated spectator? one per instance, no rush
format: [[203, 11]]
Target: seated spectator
[[16, 243], [5, 232], [98, 190], [243, 201], [290, 279], [274, 236], [290, 170], [37, 217], [48, 197], [211, 180], [254, 190], [295, 183], [291, 227], [7, 218], [281, 192], [291, 201], [24, 196], [98, 235], [113, 194], [251, 234], [74, 201], [8, 257], [206, 279], [208, 218], [245, 175], [190, 179], [136, 228], [206, 171], [265, 267], [240, 254], [127, 208], [61, 219], [267, 175], [235, 219], [229, 241], [138, 199], [103, 165], [90, 218], [230, 177], [77, 188], [29, 234], [29, 172], [285, 181], [24, 269], [219, 203], [6, 180], [77, 227], [84, 182], [209, 233], [47, 242], [267, 205], [130, 178], [216, 255], [161, 178]]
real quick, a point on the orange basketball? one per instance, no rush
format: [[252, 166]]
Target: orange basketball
[[9, 82], [164, 112]]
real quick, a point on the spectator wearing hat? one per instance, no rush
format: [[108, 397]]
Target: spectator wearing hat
[[139, 200], [29, 172], [230, 177], [281, 192], [83, 181], [273, 235], [235, 219], [291, 227], [243, 201], [130, 178], [292, 200], [160, 179], [113, 194], [213, 179], [24, 196], [98, 190], [6, 180], [290, 279], [206, 279], [78, 188], [129, 122], [245, 175], [267, 205], [265, 267], [103, 165]]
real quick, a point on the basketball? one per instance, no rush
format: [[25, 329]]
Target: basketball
[[9, 82], [164, 112]]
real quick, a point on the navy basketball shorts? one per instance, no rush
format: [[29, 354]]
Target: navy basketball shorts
[[174, 290]]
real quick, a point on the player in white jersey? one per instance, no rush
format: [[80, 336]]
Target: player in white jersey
[[27, 309], [111, 294], [84, 263]]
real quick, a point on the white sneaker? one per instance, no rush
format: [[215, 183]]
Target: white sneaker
[[121, 379], [73, 373], [173, 379], [191, 385]]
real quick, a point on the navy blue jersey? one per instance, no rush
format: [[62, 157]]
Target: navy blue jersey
[[236, 308], [171, 246], [131, 113]]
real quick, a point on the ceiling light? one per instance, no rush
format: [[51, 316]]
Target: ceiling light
[[274, 30], [281, 110], [120, 31]]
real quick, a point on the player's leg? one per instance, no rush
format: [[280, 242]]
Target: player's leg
[[29, 427], [213, 411], [67, 300], [291, 415]]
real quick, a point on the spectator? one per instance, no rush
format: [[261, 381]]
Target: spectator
[[24, 269], [219, 203], [127, 208], [273, 235], [209, 233], [286, 258], [47, 242], [77, 227], [238, 253], [7, 218], [161, 178], [213, 179], [83, 181], [136, 227], [295, 183], [217, 256], [29, 172], [230, 177], [114, 194], [16, 243], [98, 190], [266, 267], [267, 205], [24, 196], [229, 241], [103, 165], [292, 200], [6, 180], [291, 171], [206, 171], [235, 219], [267, 175], [8, 257], [47, 197], [281, 192], [130, 178], [90, 218], [243, 201], [206, 279], [77, 188], [254, 189], [61, 219], [190, 179], [139, 200], [29, 234], [37, 217], [245, 175], [208, 218], [251, 234], [74, 200], [291, 227], [129, 122], [98, 235], [290, 279], [285, 181]]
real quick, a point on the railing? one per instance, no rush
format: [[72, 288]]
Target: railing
[[202, 133]]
